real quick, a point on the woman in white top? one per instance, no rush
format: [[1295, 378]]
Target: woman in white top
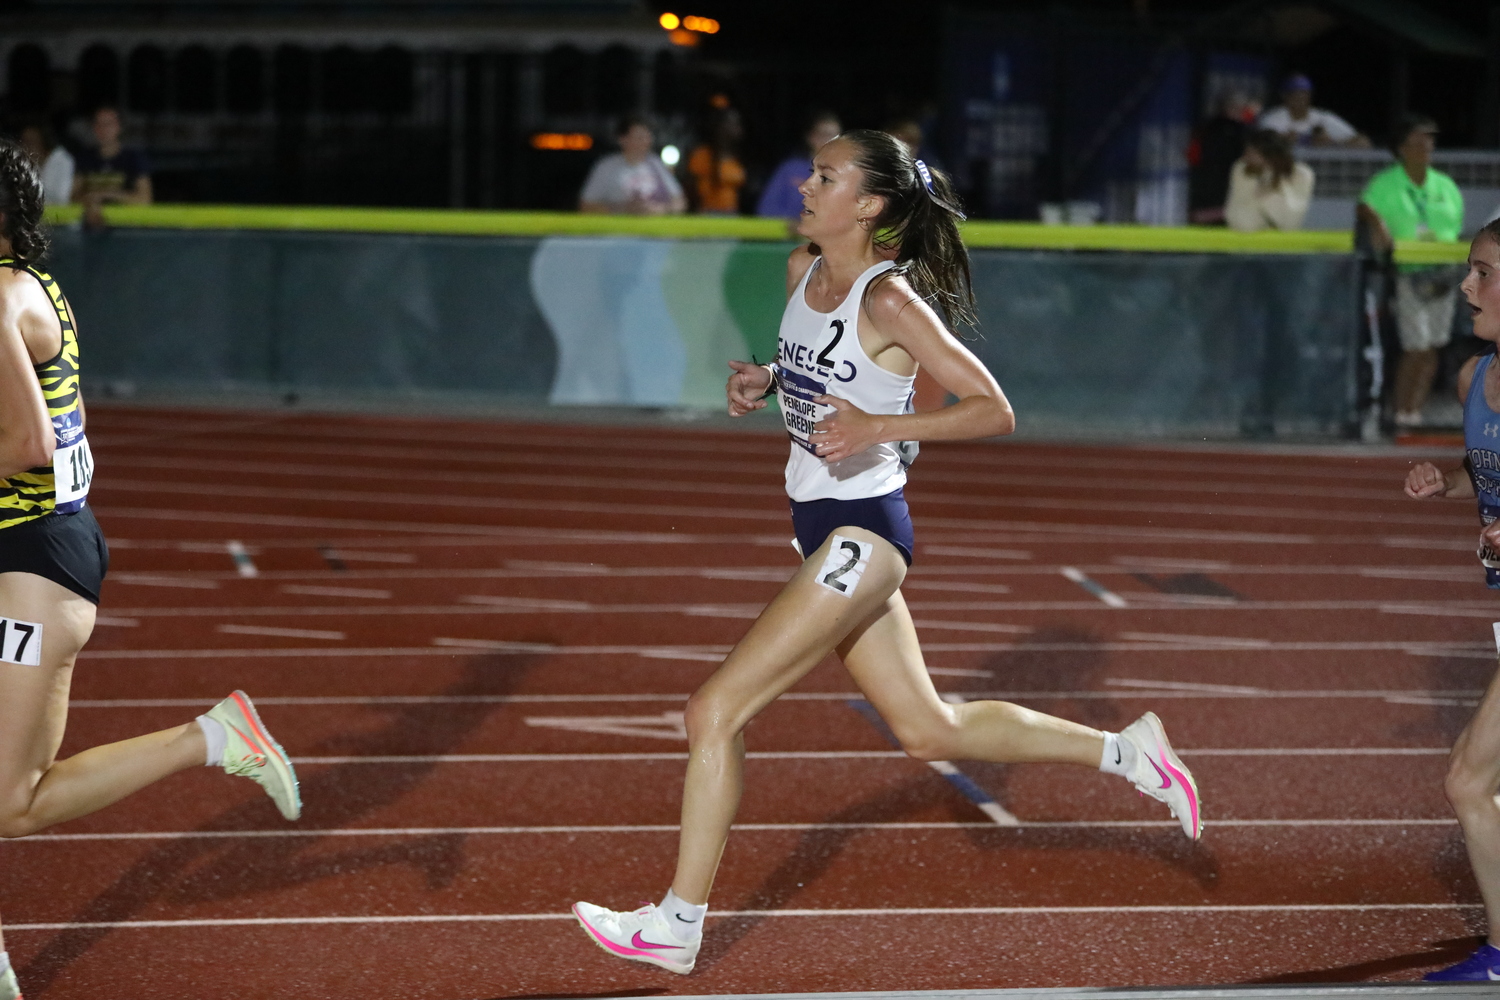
[[859, 322], [633, 181], [1268, 189]]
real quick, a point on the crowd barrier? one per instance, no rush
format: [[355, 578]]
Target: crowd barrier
[[1119, 330]]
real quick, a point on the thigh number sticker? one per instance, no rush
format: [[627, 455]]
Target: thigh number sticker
[[21, 642], [845, 564]]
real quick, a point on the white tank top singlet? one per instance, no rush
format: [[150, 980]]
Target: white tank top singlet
[[820, 353]]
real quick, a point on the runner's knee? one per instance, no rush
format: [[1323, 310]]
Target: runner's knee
[[16, 820], [707, 719], [1468, 787], [925, 741]]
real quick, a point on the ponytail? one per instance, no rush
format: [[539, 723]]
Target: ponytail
[[21, 202], [919, 223]]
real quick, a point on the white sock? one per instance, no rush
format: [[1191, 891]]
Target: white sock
[[215, 737], [1118, 757], [686, 919]]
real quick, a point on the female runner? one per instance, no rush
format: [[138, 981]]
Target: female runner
[[52, 562], [1474, 767], [857, 325]]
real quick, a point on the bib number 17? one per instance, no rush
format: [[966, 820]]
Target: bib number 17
[[20, 642]]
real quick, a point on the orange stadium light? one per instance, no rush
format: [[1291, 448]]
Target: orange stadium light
[[670, 21], [562, 140], [706, 25], [683, 37]]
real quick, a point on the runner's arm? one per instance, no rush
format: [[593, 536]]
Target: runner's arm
[[905, 321], [26, 437]]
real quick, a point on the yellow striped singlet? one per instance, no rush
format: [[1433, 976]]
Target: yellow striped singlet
[[42, 491]]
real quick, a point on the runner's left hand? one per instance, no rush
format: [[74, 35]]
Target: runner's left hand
[[846, 431]]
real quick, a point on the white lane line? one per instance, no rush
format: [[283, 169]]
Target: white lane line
[[1187, 686], [285, 633], [454, 647], [1437, 611], [1209, 691], [1104, 594], [488, 501], [243, 564], [165, 580], [966, 477], [116, 621], [673, 828], [939, 625], [488, 605], [317, 591], [1200, 640], [1169, 564], [662, 726], [954, 672], [914, 911], [547, 758]]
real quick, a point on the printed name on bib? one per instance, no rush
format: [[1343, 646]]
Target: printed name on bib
[[20, 642], [1488, 557], [845, 565], [798, 409]]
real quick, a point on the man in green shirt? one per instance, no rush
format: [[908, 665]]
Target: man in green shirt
[[1411, 201]]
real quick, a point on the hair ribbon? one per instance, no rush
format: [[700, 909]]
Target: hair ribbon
[[926, 176]]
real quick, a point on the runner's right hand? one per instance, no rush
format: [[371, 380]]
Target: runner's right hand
[[1425, 480], [745, 387]]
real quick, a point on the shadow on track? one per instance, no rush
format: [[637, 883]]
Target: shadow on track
[[1440, 953], [336, 797]]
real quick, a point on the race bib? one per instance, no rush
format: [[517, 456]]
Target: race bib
[[21, 642], [798, 410], [845, 565], [72, 471], [1488, 557]]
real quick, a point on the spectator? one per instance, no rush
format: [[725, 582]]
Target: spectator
[[1268, 189], [633, 181], [909, 131], [781, 199], [110, 173], [1216, 145], [715, 166], [53, 161], [1411, 201], [1306, 125]]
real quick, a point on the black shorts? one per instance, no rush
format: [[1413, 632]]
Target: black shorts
[[886, 516], [67, 549]]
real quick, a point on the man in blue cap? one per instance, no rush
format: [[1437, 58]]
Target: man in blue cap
[[1306, 125]]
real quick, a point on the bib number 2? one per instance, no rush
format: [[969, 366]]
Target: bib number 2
[[21, 642], [845, 565]]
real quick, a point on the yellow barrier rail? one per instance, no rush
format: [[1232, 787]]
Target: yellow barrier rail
[[466, 222]]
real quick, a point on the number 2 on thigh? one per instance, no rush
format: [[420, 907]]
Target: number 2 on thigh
[[845, 565]]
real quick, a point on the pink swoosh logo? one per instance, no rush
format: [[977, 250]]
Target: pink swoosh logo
[[1166, 782], [641, 942]]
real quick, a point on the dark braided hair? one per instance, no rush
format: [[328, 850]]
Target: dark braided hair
[[919, 223], [21, 203]]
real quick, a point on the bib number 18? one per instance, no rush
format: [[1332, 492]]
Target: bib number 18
[[21, 642], [73, 471]]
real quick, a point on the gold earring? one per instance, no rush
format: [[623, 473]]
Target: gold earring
[[864, 223]]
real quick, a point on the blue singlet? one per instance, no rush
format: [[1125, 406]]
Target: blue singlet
[[1482, 446]]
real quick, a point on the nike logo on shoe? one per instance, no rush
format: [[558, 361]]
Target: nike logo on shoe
[[641, 942], [1166, 782], [1494, 976]]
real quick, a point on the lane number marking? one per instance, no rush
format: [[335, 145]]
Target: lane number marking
[[20, 642], [845, 565]]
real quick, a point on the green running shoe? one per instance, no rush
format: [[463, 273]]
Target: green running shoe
[[251, 753]]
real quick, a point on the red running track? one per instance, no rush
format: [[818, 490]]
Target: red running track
[[477, 639]]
